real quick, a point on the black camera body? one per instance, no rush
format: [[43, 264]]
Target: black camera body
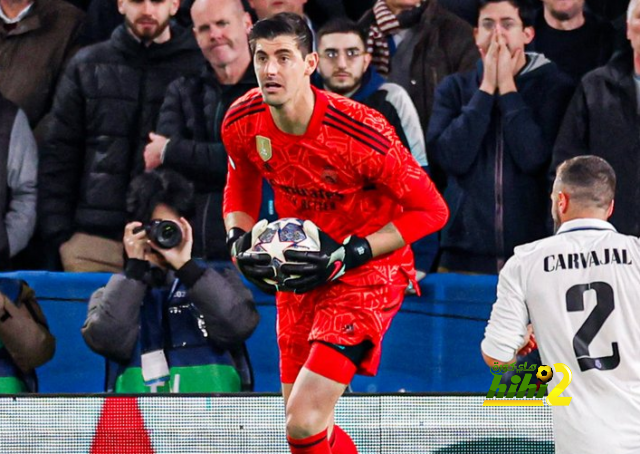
[[164, 233]]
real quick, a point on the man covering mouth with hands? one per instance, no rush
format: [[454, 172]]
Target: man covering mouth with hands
[[492, 131]]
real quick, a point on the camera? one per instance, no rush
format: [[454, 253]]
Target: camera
[[164, 233]]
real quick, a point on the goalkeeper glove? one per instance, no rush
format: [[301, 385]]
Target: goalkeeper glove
[[310, 269], [255, 266]]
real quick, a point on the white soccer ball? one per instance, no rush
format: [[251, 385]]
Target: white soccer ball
[[280, 236]]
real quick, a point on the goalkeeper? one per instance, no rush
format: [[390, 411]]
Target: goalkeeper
[[341, 166]]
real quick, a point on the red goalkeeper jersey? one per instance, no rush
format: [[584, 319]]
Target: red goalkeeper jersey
[[348, 173]]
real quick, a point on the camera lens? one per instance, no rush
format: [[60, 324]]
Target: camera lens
[[166, 234]]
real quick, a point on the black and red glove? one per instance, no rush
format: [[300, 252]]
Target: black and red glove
[[308, 270], [255, 266]]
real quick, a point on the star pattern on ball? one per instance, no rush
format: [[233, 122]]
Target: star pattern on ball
[[276, 247]]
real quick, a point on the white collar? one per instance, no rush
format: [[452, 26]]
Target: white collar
[[18, 18], [585, 224]]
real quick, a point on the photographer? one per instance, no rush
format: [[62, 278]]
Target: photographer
[[170, 324]]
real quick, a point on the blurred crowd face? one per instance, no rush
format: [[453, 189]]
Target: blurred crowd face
[[268, 8], [397, 6], [147, 19], [282, 72], [564, 10], [343, 62], [633, 27], [221, 28], [502, 18]]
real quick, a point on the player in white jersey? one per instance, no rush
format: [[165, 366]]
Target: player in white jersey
[[580, 289]]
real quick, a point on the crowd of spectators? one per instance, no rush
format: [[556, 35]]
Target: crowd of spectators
[[113, 88], [96, 93]]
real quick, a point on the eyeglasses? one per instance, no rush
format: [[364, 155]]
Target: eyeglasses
[[506, 25], [333, 54]]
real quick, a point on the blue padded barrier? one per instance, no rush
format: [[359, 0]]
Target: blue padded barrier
[[432, 345]]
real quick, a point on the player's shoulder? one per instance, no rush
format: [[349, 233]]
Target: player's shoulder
[[360, 122], [356, 111], [608, 236], [534, 247], [250, 96], [244, 107]]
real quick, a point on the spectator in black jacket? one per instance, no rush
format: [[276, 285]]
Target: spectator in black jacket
[[105, 106], [492, 131], [573, 38], [602, 119], [187, 138]]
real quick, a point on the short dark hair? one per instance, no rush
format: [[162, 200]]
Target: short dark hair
[[288, 24], [526, 11], [163, 186], [589, 180], [342, 25]]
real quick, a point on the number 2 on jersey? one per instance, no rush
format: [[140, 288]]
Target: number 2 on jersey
[[589, 329]]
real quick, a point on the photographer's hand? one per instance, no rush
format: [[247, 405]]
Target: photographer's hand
[[135, 244], [180, 254]]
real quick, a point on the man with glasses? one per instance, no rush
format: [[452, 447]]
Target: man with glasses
[[492, 131], [344, 68]]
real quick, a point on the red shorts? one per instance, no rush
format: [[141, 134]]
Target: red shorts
[[338, 313]]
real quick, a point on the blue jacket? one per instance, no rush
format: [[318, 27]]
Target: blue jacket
[[496, 151]]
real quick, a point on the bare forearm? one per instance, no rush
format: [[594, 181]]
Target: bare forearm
[[491, 362], [385, 240], [239, 219]]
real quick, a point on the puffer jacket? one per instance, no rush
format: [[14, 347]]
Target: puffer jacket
[[105, 106], [191, 117]]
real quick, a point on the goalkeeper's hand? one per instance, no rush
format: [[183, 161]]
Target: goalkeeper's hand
[[311, 269], [255, 266]]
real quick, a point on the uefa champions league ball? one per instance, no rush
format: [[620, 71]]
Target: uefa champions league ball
[[280, 236]]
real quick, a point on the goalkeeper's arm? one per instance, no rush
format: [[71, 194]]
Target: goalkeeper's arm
[[424, 212]]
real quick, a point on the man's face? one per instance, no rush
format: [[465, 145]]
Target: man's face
[[564, 9], [281, 70], [343, 61], [221, 31], [268, 8], [147, 19], [502, 18], [633, 28]]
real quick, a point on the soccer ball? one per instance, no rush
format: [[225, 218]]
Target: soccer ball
[[544, 373], [280, 236]]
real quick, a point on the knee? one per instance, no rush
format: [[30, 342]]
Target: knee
[[303, 424]]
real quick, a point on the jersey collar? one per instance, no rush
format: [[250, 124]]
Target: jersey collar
[[585, 224], [319, 109]]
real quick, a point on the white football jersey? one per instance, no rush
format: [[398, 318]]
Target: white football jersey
[[581, 291]]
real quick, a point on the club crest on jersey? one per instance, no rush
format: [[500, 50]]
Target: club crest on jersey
[[263, 145]]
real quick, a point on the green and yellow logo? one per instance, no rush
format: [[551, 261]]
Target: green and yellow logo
[[522, 388]]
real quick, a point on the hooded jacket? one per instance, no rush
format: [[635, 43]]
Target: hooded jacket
[[495, 150]]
